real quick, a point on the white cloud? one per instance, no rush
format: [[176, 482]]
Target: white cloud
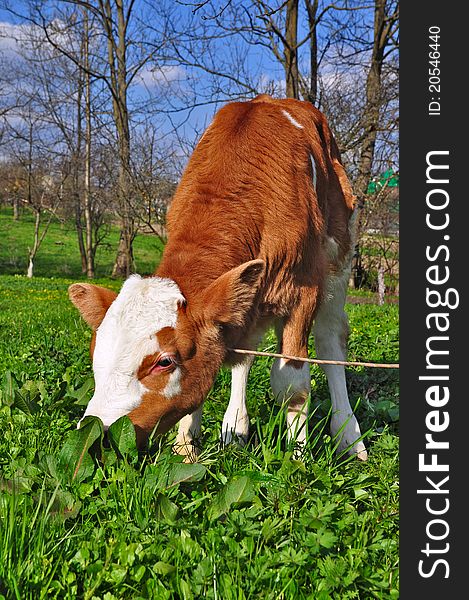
[[11, 36], [22, 39], [151, 77]]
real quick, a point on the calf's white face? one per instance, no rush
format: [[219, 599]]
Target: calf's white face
[[126, 335]]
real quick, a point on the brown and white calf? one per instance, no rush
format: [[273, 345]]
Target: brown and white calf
[[258, 235]]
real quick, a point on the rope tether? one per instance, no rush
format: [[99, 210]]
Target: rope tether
[[318, 361]]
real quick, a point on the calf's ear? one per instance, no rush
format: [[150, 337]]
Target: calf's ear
[[230, 297], [92, 301]]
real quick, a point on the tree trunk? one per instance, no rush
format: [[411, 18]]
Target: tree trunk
[[124, 263], [33, 251], [89, 266], [370, 125], [79, 228], [381, 286], [312, 93], [372, 106], [16, 209], [77, 169], [30, 271], [290, 50]]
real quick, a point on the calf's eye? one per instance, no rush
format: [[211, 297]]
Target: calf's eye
[[165, 362]]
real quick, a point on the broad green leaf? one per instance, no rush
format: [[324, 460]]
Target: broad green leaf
[[165, 509], [59, 393], [48, 463], [151, 478], [121, 435], [138, 573], [186, 591], [326, 538], [189, 546], [75, 460], [181, 472], [163, 568], [360, 493], [239, 490], [81, 395], [32, 389], [8, 389], [42, 390], [117, 574], [236, 492], [19, 484], [22, 402], [65, 505]]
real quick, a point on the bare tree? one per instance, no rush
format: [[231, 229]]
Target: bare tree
[[117, 25], [43, 201], [61, 94], [386, 20], [155, 177], [38, 183], [285, 34], [386, 15]]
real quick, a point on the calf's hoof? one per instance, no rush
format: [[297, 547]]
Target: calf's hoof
[[233, 437], [348, 435], [189, 451]]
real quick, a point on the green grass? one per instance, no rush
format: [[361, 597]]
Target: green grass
[[245, 523], [58, 254]]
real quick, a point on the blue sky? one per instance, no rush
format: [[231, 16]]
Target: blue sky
[[179, 92]]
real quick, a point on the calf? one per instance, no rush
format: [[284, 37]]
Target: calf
[[259, 235]]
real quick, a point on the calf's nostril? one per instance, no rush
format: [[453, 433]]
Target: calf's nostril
[[106, 442]]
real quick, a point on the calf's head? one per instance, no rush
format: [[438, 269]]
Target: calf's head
[[155, 356]]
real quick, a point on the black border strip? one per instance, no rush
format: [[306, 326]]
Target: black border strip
[[434, 529]]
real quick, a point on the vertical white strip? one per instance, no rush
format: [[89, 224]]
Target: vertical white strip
[[313, 165]]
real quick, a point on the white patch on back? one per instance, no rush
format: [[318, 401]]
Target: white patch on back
[[126, 335], [291, 119]]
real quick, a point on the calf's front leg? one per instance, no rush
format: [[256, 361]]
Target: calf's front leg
[[235, 427], [187, 436]]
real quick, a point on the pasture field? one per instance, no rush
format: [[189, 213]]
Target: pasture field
[[58, 254], [242, 523]]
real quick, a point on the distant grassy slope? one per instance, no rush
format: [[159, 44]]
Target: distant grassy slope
[[58, 255]]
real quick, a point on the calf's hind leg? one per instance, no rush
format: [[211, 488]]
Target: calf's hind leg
[[291, 380], [331, 331]]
